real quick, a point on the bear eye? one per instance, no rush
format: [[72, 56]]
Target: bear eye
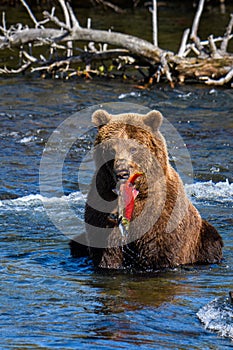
[[133, 150]]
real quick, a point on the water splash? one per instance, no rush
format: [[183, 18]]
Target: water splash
[[220, 192], [218, 316], [130, 94], [35, 201]]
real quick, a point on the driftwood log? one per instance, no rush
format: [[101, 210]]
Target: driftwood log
[[208, 61]]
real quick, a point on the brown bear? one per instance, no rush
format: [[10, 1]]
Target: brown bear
[[165, 229]]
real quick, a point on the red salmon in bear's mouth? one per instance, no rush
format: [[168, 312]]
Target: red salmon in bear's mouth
[[127, 194]]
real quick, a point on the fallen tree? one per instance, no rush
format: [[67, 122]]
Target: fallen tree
[[206, 61]]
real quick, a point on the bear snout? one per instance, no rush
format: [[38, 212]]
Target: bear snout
[[122, 174], [121, 169]]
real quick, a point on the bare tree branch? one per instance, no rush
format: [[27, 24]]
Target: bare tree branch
[[75, 22], [155, 23], [213, 48], [195, 25], [66, 13], [196, 60], [129, 42], [220, 81], [24, 67], [227, 36], [55, 20], [116, 8], [182, 48], [68, 24], [25, 36], [33, 18], [3, 27]]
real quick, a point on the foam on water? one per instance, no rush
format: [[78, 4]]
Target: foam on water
[[28, 139], [36, 201], [221, 192], [130, 94], [218, 316]]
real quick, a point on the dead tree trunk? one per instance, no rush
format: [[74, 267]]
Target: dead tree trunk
[[200, 61]]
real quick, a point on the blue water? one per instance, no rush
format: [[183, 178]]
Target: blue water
[[51, 300]]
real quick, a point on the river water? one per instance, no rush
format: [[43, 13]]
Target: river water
[[51, 300]]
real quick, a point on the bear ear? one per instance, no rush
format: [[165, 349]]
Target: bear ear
[[100, 117], [153, 119]]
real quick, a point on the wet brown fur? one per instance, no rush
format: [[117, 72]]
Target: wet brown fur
[[175, 238]]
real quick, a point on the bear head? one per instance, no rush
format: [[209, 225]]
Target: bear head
[[129, 143]]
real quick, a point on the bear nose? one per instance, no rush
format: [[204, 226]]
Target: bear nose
[[121, 169]]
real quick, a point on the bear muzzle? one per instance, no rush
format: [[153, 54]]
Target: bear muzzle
[[122, 174], [121, 169]]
